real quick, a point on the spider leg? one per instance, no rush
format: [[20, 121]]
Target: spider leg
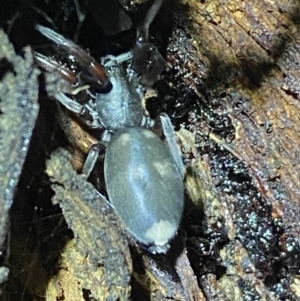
[[171, 141], [147, 60], [92, 66], [143, 28], [91, 160], [52, 66], [79, 109]]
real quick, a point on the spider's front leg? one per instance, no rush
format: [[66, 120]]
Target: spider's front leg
[[83, 146], [60, 80], [171, 142], [147, 60], [93, 70], [92, 76], [79, 103]]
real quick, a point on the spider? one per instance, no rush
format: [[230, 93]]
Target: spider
[[143, 175]]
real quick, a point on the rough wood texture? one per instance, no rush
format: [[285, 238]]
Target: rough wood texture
[[98, 258], [244, 63], [255, 48], [18, 109]]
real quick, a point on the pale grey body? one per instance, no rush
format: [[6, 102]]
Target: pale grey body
[[145, 186], [144, 178]]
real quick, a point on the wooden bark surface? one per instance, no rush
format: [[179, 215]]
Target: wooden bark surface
[[255, 52], [233, 94], [246, 53]]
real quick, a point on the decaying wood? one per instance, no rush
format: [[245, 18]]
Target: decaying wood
[[254, 47], [98, 257], [247, 54], [18, 109]]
